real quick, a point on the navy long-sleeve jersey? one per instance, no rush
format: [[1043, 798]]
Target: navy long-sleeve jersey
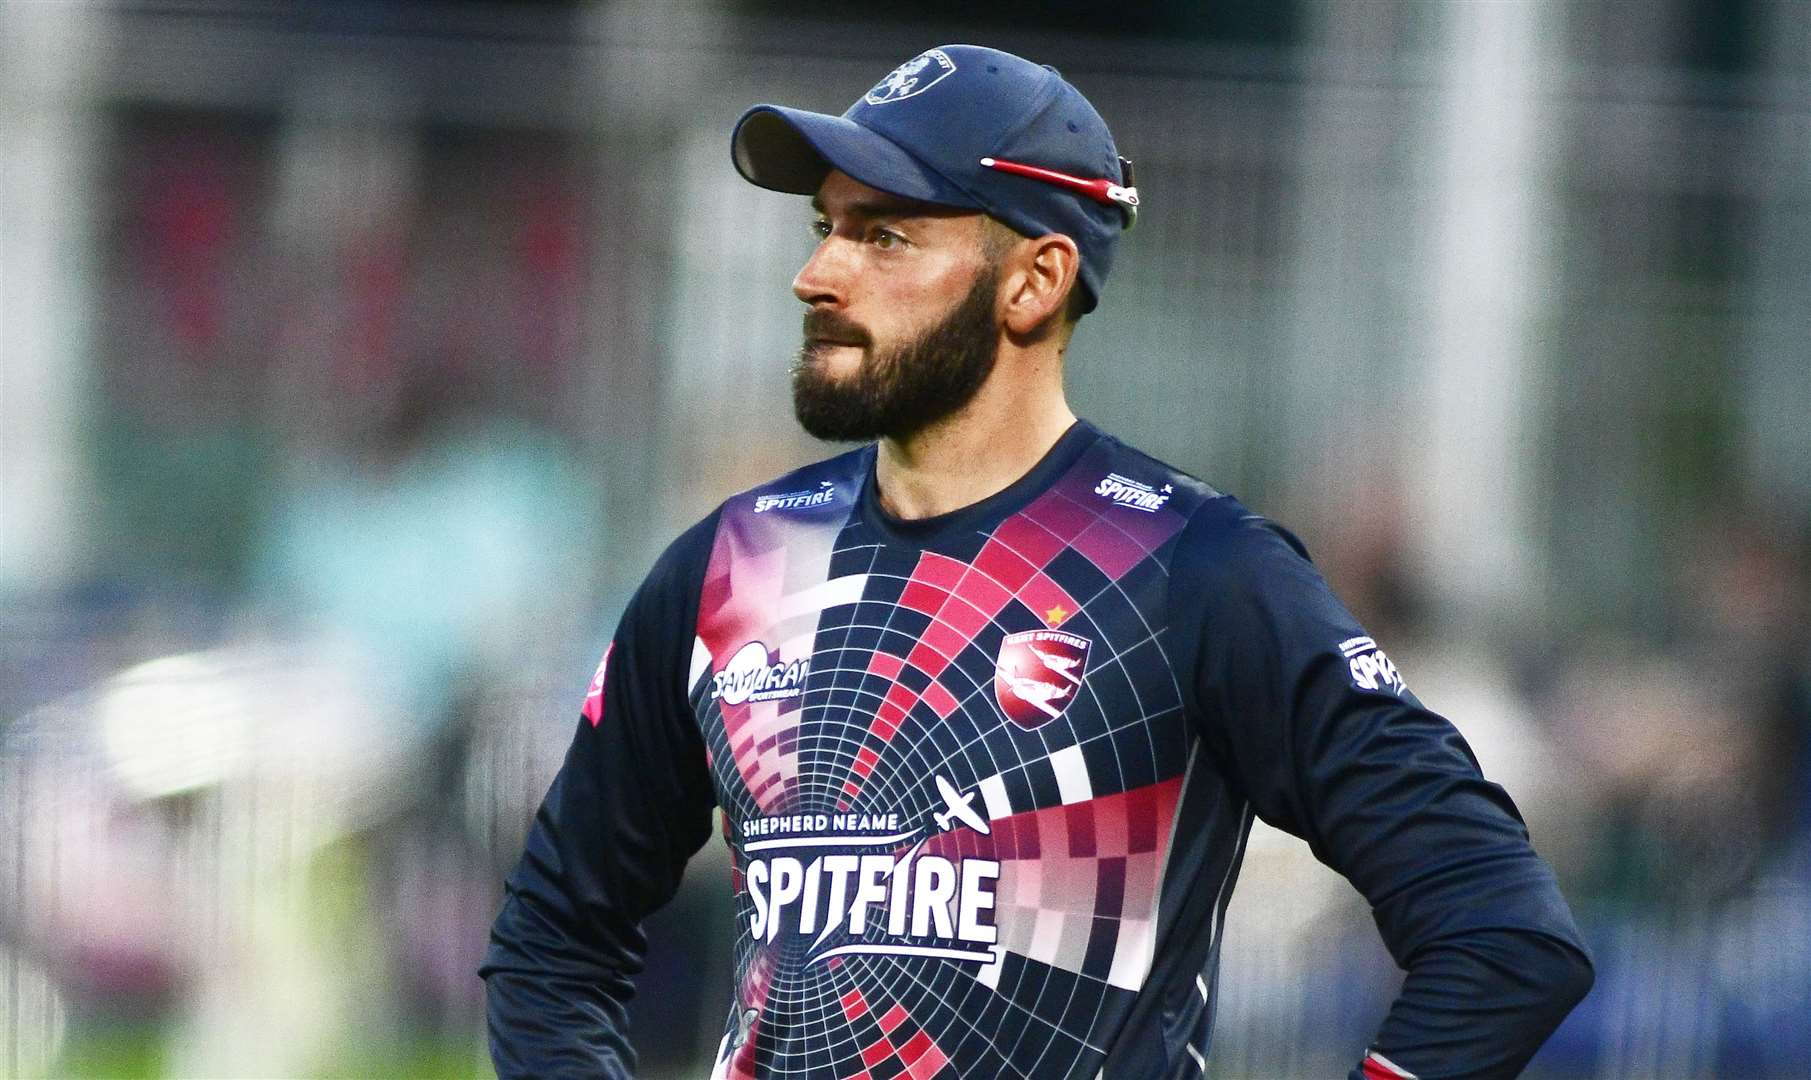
[[986, 780]]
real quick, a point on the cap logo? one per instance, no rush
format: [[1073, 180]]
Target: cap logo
[[913, 77]]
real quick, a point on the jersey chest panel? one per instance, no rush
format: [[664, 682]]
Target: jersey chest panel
[[949, 775]]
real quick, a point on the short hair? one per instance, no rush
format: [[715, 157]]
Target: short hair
[[1077, 304], [997, 238]]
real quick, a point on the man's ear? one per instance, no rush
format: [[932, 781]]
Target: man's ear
[[1039, 277]]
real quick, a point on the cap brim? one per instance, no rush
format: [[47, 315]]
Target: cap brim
[[792, 150]]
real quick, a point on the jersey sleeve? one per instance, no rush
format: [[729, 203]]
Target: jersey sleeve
[[630, 805], [1312, 723]]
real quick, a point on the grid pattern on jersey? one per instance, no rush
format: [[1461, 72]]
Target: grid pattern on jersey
[[902, 689]]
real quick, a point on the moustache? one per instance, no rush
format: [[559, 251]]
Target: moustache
[[823, 326]]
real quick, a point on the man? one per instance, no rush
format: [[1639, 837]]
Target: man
[[989, 703]]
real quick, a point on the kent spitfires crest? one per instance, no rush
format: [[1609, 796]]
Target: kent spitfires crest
[[1037, 675], [913, 77]]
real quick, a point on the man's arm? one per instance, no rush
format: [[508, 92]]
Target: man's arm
[[629, 806], [1314, 724]]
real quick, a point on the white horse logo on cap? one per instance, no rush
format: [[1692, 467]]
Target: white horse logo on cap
[[910, 78]]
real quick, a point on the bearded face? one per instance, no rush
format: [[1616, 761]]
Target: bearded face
[[897, 390]]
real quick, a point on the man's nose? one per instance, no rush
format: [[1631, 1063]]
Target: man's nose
[[824, 277]]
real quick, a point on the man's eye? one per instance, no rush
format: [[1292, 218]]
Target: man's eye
[[820, 229], [887, 238]]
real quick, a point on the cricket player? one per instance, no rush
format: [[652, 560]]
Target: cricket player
[[989, 703]]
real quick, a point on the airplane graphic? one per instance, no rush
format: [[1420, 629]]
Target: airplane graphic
[[745, 1022], [1060, 664], [1038, 693], [958, 806]]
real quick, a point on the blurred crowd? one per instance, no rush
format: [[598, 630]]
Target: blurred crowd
[[1664, 770], [375, 446], [339, 488]]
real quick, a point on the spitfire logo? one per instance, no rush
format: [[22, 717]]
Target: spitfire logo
[[796, 500], [1037, 675], [756, 673], [840, 884], [1371, 669], [1125, 491], [913, 77]]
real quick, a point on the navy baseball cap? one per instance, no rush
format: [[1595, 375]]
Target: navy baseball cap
[[964, 126]]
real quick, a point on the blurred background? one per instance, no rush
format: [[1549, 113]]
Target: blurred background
[[359, 358]]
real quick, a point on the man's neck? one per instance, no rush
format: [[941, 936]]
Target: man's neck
[[976, 452]]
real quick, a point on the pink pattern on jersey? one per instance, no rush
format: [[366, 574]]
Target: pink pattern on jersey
[[1071, 873], [594, 696], [918, 1054], [963, 598], [961, 601], [1113, 538], [757, 561]]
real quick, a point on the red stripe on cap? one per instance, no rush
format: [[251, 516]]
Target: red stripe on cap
[[1101, 191], [1095, 189]]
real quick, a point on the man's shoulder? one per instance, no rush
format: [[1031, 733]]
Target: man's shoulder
[[1220, 529], [817, 496], [825, 486], [1135, 478]]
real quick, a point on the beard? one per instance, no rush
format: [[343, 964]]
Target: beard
[[897, 392]]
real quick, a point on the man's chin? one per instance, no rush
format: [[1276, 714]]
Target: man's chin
[[833, 360], [823, 420], [832, 409]]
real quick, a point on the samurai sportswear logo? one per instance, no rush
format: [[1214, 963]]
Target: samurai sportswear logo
[[1371, 669], [756, 673], [913, 77], [796, 500], [843, 877], [1125, 491]]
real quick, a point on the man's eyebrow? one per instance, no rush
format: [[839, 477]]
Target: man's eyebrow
[[876, 208]]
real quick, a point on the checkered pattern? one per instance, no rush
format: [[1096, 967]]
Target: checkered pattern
[[766, 582], [960, 600], [891, 1045], [903, 643], [1078, 882]]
